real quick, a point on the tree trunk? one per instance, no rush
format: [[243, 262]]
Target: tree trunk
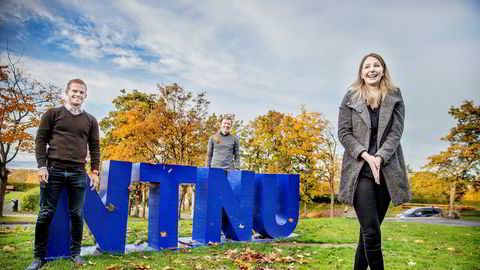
[[183, 194], [3, 186], [130, 204], [193, 202], [305, 212], [332, 196], [453, 193], [144, 203]]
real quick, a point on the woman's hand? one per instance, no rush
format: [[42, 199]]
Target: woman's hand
[[374, 163]]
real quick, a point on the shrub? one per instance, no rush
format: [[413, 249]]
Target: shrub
[[30, 201], [23, 186], [427, 200]]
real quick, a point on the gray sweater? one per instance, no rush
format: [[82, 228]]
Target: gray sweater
[[225, 153]]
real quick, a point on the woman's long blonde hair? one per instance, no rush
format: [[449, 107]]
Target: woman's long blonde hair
[[361, 91]]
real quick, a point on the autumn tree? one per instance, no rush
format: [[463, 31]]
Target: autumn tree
[[331, 163], [260, 141], [22, 101], [282, 143], [459, 164], [169, 127], [428, 185]]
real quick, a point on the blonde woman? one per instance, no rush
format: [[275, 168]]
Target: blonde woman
[[370, 126], [223, 147]]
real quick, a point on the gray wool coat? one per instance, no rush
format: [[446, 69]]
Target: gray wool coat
[[354, 129]]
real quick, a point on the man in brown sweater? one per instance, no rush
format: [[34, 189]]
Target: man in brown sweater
[[64, 136]]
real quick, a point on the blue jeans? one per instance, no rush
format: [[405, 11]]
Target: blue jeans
[[371, 204], [75, 181]]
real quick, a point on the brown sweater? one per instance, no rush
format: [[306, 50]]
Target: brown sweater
[[67, 136]]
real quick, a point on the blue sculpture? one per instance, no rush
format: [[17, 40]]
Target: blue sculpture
[[59, 236], [276, 208], [223, 205], [232, 202], [106, 212], [163, 200]]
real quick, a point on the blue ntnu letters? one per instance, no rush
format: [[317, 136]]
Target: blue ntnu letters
[[223, 203], [233, 203]]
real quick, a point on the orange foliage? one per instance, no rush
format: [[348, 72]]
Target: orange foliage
[[282, 143]]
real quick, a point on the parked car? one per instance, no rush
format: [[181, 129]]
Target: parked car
[[421, 212]]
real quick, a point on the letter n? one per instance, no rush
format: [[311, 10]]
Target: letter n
[[105, 212], [222, 204]]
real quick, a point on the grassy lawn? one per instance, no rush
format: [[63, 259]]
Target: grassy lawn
[[322, 244], [13, 195], [18, 219]]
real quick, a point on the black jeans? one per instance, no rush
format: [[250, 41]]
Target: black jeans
[[75, 182], [371, 204]]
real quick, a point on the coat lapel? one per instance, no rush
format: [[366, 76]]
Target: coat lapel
[[386, 110], [362, 110]]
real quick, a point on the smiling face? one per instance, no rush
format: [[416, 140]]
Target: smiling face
[[372, 72], [76, 94], [226, 126]]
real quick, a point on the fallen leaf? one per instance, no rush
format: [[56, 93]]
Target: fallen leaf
[[450, 249], [419, 241], [278, 249], [8, 248], [412, 263]]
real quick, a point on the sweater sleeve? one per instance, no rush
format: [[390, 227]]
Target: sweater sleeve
[[94, 144], [44, 133], [208, 161], [236, 152]]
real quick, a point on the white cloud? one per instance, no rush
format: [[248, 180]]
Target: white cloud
[[253, 56]]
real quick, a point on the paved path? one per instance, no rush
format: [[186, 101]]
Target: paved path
[[435, 220]]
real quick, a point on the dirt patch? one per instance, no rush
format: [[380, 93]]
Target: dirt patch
[[322, 245], [323, 213]]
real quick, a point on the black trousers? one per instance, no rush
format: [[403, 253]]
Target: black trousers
[[75, 182], [371, 204]]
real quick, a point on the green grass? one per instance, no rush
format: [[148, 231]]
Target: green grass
[[18, 219], [13, 195], [472, 218], [322, 244]]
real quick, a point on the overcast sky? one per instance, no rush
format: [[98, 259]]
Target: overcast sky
[[255, 56]]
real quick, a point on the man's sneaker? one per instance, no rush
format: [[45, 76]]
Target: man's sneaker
[[36, 264], [78, 261]]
